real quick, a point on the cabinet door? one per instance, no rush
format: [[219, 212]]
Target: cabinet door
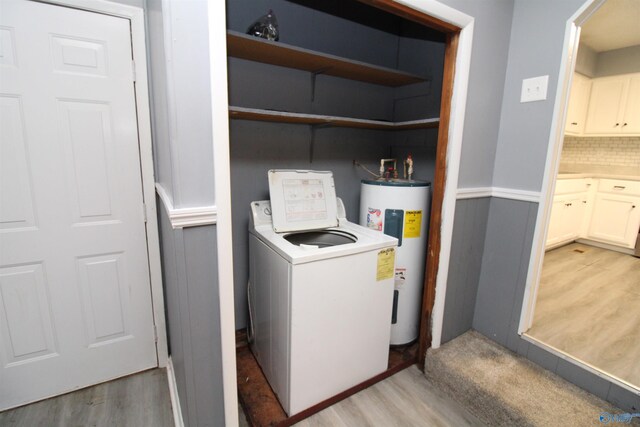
[[556, 222], [631, 118], [615, 219], [578, 104], [575, 209], [604, 105]]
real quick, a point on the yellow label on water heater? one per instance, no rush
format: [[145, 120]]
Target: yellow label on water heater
[[412, 224], [386, 264]]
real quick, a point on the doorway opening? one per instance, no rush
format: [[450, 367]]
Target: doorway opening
[[584, 276]]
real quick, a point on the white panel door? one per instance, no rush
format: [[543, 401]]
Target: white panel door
[[75, 299]]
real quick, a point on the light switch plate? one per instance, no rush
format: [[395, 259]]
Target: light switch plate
[[534, 89]]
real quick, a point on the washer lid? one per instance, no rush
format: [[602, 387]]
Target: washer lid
[[302, 200]]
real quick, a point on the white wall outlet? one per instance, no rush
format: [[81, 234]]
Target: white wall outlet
[[534, 89]]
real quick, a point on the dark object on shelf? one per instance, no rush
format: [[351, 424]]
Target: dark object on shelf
[[265, 27]]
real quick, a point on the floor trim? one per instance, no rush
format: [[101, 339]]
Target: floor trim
[[584, 365], [173, 393]]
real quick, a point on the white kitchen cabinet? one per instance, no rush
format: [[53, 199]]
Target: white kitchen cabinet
[[631, 122], [567, 218], [602, 210], [616, 213], [556, 221], [614, 106], [578, 104], [568, 213], [615, 220]]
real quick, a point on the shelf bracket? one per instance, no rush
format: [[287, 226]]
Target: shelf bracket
[[312, 141], [314, 74]]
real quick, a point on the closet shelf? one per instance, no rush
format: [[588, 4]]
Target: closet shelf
[[275, 53], [242, 113]]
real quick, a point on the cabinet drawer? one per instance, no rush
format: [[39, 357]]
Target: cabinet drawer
[[615, 186], [567, 186]]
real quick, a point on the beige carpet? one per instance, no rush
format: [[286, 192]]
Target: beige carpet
[[503, 389]]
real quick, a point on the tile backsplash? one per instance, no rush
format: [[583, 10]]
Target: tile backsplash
[[614, 151]]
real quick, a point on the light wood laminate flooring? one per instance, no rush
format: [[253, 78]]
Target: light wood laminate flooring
[[404, 399], [137, 400], [588, 306]]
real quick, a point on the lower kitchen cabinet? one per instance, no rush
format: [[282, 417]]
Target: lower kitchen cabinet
[[615, 219], [605, 210], [567, 218]]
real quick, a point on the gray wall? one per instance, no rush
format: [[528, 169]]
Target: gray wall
[[492, 29], [619, 61], [492, 26], [301, 25], [158, 82], [181, 125], [505, 262], [523, 137], [464, 271], [586, 61], [190, 276], [608, 63], [258, 146], [534, 50], [181, 106]]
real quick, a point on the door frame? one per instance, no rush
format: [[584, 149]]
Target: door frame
[[459, 27], [552, 165], [135, 16]]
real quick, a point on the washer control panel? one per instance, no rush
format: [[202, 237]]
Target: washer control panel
[[261, 213]]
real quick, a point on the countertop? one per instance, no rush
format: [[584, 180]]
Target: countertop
[[574, 170]]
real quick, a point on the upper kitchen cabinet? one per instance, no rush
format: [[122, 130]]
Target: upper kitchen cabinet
[[614, 106], [578, 104]]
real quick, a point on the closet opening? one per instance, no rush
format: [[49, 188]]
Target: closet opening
[[346, 83]]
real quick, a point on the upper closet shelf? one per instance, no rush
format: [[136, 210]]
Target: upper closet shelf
[[315, 119], [256, 49]]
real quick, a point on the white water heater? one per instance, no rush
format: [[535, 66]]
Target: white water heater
[[400, 208]]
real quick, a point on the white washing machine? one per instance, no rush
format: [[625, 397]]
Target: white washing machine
[[320, 292]]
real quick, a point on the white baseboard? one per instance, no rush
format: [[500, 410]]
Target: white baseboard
[[499, 192], [186, 217], [173, 393]]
